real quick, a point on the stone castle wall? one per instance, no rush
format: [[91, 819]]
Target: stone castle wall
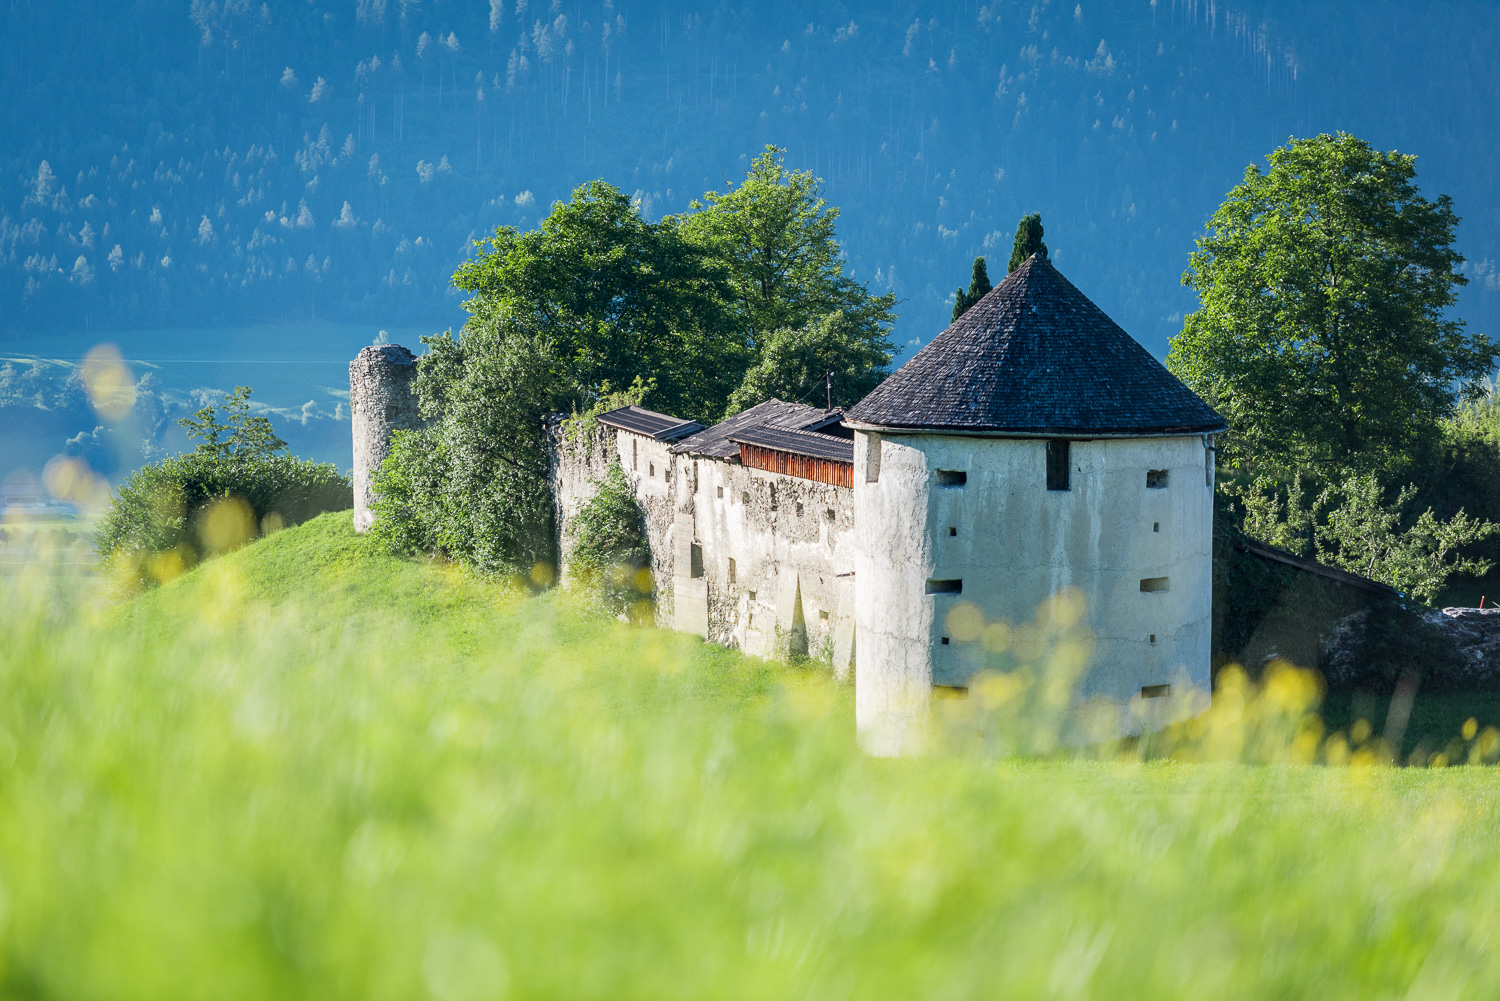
[[381, 400]]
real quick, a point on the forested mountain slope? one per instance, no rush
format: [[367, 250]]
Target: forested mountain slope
[[173, 162]]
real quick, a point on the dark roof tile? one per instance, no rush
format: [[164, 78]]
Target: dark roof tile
[[662, 427], [715, 441], [1036, 356], [795, 442]]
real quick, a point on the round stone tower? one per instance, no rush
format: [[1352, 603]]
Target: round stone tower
[[381, 400], [1031, 450]]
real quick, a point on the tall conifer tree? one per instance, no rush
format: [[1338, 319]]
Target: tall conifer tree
[[1028, 240]]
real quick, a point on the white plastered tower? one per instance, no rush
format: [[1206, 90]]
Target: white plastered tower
[[1032, 449]]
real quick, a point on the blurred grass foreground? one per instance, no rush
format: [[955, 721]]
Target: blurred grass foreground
[[308, 770]]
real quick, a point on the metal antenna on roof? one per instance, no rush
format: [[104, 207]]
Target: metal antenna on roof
[[829, 377]]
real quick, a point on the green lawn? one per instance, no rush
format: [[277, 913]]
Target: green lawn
[[307, 770]]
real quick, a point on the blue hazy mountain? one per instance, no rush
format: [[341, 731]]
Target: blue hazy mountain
[[321, 166]]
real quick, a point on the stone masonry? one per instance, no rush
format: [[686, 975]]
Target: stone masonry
[[381, 400]]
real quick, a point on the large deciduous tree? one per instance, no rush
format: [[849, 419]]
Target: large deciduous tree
[[773, 237], [1323, 334], [831, 353]]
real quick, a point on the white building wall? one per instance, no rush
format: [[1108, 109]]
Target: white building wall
[[1014, 545]]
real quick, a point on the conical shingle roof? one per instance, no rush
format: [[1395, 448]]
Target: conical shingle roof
[[1036, 356]]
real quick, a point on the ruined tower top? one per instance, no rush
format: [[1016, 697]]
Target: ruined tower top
[[381, 400]]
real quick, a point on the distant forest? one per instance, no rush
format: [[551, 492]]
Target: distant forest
[[170, 162]]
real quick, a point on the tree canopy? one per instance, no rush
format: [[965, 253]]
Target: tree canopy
[[854, 357], [1322, 334], [979, 284], [1028, 241]]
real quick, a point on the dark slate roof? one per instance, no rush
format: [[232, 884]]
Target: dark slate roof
[[715, 441], [1036, 356], [809, 443], [662, 427]]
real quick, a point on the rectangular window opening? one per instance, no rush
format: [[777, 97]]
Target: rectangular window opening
[[952, 531], [799, 509], [1156, 526], [1155, 691], [822, 615], [635, 454], [750, 595], [952, 477], [945, 641], [695, 476], [695, 561], [1058, 465], [1156, 479], [731, 570], [1153, 639], [650, 469], [872, 459], [829, 514], [1151, 584], [719, 492], [945, 587], [744, 497]]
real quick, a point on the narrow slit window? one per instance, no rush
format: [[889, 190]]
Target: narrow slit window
[[1152, 584], [719, 492], [1155, 691], [799, 509], [1156, 479], [952, 477], [695, 476], [1156, 526], [872, 459], [635, 454], [695, 561], [732, 571], [650, 469], [945, 587], [1058, 465]]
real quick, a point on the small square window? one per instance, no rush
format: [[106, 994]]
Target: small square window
[[822, 615], [749, 595], [952, 532], [1156, 479], [1156, 526], [799, 509], [744, 497], [945, 641], [830, 515], [1153, 639]]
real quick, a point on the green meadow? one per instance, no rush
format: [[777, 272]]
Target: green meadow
[[310, 770]]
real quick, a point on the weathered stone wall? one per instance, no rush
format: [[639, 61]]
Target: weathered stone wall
[[381, 400], [775, 558], [578, 467]]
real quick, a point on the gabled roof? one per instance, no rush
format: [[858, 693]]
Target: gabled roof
[[662, 427], [715, 441], [1036, 356], [795, 442]]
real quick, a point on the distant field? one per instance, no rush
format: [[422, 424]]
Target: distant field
[[309, 770]]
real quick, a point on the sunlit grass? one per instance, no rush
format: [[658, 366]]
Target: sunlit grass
[[309, 770]]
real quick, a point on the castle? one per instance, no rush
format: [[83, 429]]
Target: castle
[[1032, 446]]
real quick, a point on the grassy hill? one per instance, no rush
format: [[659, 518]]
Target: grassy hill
[[310, 770]]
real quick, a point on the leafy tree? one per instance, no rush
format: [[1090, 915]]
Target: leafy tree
[[239, 482], [474, 483], [773, 238], [1322, 334], [611, 552], [1028, 240], [795, 362], [239, 437], [979, 284], [616, 297]]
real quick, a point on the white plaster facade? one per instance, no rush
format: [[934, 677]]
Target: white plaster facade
[[1139, 556]]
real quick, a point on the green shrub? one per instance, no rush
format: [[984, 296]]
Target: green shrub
[[236, 485], [611, 552]]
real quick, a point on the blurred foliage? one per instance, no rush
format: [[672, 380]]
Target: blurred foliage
[[310, 770], [235, 486], [1324, 335]]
